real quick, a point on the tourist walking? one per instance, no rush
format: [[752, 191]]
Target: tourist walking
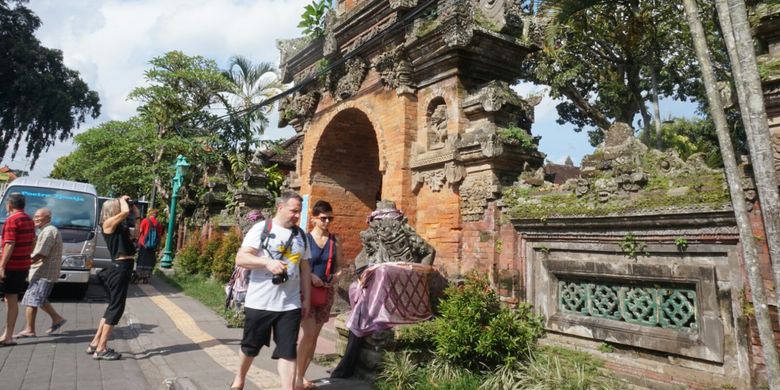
[[18, 241], [278, 292], [44, 272], [116, 278], [324, 256], [149, 235]]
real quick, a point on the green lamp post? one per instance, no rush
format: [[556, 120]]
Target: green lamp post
[[181, 167]]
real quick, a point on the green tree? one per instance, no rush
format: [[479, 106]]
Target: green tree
[[117, 157], [182, 90], [250, 85], [600, 56], [110, 156], [41, 100]]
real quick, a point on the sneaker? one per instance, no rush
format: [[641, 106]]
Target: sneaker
[[108, 354], [92, 349]]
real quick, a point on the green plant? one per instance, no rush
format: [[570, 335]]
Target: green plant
[[606, 348], [552, 369], [188, 257], [225, 256], [207, 252], [417, 338], [682, 244], [514, 134], [474, 331], [632, 247], [313, 18], [399, 371], [544, 249], [275, 180]]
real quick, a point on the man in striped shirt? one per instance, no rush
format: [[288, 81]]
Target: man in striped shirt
[[17, 246]]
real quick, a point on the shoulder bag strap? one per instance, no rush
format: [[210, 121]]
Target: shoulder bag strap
[[332, 243]]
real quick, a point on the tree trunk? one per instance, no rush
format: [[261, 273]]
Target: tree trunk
[[747, 240], [659, 140], [739, 42]]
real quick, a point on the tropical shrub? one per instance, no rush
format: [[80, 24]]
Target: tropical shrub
[[225, 256], [474, 331], [187, 259], [208, 251]]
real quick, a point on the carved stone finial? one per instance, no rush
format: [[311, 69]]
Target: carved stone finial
[[329, 45], [457, 23]]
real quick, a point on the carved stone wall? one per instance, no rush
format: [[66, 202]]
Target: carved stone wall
[[676, 296]]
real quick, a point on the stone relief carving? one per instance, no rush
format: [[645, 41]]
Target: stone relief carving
[[349, 85], [298, 109], [403, 4], [475, 192], [395, 70], [389, 238], [452, 173], [437, 126], [490, 143]]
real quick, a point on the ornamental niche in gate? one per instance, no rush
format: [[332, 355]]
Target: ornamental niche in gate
[[420, 113]]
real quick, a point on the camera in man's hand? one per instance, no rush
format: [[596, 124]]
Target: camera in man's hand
[[280, 278]]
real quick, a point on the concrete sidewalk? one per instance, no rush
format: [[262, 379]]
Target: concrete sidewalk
[[168, 341]]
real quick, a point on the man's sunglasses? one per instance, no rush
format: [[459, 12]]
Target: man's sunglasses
[[326, 219]]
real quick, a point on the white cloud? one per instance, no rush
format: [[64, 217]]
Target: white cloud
[[110, 42]]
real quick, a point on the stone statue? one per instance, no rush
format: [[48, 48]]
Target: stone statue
[[437, 124], [389, 238]]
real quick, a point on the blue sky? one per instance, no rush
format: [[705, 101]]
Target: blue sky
[[110, 42]]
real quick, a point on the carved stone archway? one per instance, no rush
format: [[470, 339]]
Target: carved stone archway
[[345, 171]]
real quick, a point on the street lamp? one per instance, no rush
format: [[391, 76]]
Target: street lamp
[[181, 168]]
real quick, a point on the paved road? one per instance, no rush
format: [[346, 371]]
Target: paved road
[[168, 341]]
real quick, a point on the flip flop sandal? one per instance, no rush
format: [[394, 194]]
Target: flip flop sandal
[[93, 348], [21, 335], [57, 326], [7, 343]]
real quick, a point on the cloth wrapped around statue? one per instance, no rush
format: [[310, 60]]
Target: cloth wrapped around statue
[[389, 294]]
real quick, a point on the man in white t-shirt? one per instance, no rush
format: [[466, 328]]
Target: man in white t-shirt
[[278, 292]]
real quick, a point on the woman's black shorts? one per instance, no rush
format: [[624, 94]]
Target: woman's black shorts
[[259, 324]]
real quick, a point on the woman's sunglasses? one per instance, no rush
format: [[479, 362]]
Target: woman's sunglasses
[[326, 219]]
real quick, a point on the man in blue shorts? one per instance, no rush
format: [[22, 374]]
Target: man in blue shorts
[[278, 292]]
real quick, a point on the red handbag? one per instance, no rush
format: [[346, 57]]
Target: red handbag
[[318, 296]]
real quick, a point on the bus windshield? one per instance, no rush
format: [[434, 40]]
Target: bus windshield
[[69, 209]]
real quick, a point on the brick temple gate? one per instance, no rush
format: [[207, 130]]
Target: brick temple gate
[[416, 109]]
